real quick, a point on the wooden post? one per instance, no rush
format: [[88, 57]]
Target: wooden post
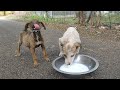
[[110, 20]]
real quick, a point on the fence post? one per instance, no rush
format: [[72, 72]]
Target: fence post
[[109, 20]]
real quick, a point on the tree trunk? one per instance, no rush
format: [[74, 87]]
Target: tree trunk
[[79, 17], [110, 21], [4, 13], [77, 14], [98, 18], [82, 18], [46, 14], [89, 17], [92, 19]]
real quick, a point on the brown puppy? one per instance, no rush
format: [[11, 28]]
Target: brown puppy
[[31, 37]]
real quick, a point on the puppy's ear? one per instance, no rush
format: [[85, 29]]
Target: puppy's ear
[[42, 25], [26, 26], [60, 42], [77, 45]]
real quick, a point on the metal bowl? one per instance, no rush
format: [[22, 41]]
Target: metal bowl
[[90, 62]]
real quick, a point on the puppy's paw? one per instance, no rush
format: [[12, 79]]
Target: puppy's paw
[[61, 54], [47, 59], [18, 55], [36, 65]]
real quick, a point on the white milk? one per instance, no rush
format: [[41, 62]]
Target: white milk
[[75, 68]]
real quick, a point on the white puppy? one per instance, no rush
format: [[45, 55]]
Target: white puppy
[[69, 45]]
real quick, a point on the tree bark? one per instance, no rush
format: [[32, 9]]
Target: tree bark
[[81, 17], [92, 19], [110, 21], [89, 17], [4, 13], [47, 14], [78, 17], [77, 14], [98, 22]]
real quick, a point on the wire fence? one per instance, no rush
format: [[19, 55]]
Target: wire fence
[[60, 17], [110, 19]]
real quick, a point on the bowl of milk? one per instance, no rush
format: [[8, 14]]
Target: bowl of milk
[[81, 65]]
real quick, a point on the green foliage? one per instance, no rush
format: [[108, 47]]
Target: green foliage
[[64, 20], [105, 19], [114, 18]]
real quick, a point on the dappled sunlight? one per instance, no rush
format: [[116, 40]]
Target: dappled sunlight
[[2, 17], [5, 14]]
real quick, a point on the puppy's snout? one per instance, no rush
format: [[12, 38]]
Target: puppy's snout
[[68, 63]]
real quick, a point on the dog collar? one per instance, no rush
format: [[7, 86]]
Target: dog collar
[[35, 30]]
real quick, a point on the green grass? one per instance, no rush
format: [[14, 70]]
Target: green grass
[[114, 18], [70, 20]]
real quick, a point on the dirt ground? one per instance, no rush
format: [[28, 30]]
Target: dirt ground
[[102, 34]]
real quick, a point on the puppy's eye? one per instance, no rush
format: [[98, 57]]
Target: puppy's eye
[[72, 55], [61, 44], [64, 55]]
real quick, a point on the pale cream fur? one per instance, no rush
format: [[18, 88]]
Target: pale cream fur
[[69, 44]]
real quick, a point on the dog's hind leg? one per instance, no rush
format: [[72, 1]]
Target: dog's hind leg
[[34, 56], [44, 52], [18, 46]]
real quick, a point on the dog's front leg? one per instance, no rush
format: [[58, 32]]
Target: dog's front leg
[[60, 47], [34, 56], [44, 52]]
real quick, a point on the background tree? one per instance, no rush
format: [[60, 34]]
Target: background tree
[[4, 12], [81, 17]]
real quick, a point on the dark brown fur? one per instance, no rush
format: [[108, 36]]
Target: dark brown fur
[[30, 39]]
